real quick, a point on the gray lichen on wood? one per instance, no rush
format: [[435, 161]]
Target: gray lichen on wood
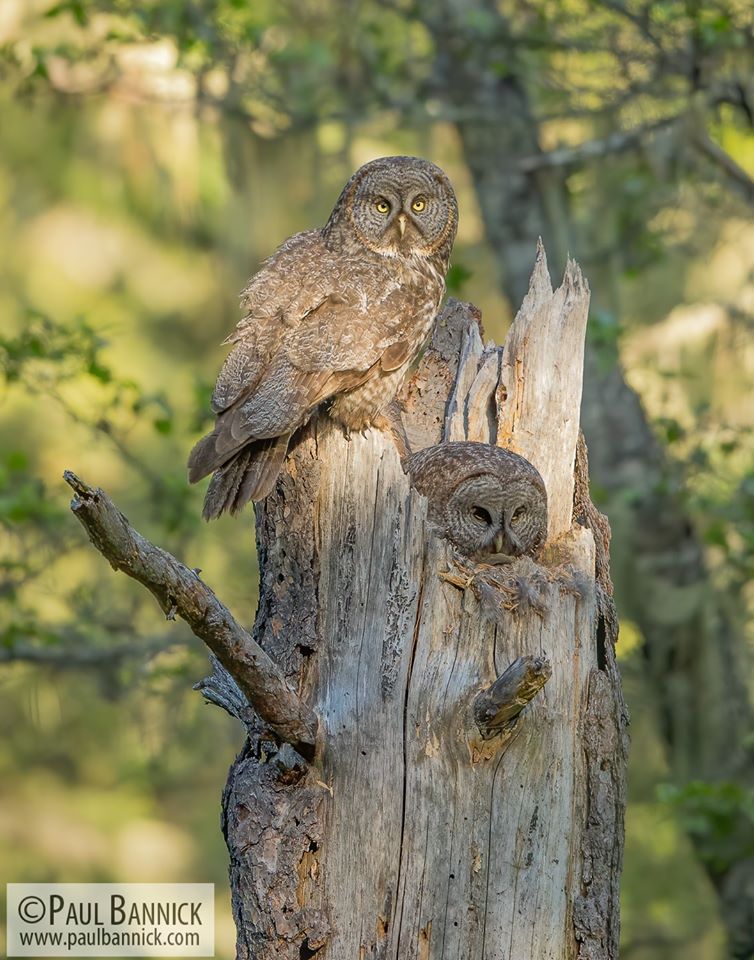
[[222, 690]]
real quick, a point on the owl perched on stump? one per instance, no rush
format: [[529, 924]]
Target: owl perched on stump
[[334, 315]]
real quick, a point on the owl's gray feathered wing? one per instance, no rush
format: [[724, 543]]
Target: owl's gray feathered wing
[[316, 325]]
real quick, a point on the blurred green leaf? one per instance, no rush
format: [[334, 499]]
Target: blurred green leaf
[[458, 275], [720, 816]]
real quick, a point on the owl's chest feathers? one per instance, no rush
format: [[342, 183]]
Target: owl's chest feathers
[[416, 289], [423, 274], [422, 289]]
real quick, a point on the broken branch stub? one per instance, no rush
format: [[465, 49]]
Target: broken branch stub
[[178, 590], [500, 705]]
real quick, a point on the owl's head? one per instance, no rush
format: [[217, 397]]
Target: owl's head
[[399, 206], [489, 502], [489, 518]]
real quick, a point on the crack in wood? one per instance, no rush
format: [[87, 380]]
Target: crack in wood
[[414, 643]]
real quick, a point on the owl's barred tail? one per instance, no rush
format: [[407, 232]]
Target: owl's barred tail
[[249, 475]]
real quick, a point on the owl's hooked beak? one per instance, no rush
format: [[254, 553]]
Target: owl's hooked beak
[[402, 221], [507, 543], [500, 543], [500, 550]]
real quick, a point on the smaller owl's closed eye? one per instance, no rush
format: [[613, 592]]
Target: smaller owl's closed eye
[[488, 502]]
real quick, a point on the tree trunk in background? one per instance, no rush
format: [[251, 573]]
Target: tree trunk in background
[[421, 831], [695, 651], [695, 648]]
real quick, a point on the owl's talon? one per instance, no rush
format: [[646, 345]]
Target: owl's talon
[[391, 422]]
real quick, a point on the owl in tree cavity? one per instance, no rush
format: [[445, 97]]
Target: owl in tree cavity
[[489, 502], [335, 315]]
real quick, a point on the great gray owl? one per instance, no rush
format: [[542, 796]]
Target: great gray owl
[[336, 314], [489, 502]]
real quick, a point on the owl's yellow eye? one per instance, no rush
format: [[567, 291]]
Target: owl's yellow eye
[[382, 206], [418, 205]]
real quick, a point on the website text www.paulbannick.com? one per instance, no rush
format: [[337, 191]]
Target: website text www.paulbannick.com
[[110, 919]]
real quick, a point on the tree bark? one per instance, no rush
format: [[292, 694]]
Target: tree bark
[[442, 816]]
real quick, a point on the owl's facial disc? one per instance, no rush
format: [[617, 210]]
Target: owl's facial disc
[[475, 515], [398, 225], [404, 206], [404, 232], [482, 515], [524, 528], [494, 535], [490, 503]]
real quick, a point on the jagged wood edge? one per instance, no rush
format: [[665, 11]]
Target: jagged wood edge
[[467, 415]]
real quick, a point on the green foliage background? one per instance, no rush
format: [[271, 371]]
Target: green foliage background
[[150, 155]]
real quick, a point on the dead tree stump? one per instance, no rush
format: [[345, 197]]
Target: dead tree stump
[[436, 748], [441, 817]]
